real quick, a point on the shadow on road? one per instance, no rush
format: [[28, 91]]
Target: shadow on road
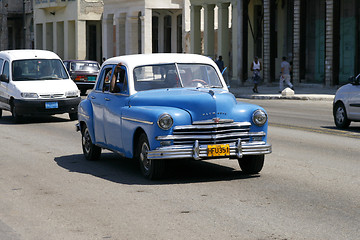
[[8, 120], [113, 168]]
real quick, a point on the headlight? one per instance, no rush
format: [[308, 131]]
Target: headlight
[[29, 95], [259, 117], [74, 93], [165, 121]]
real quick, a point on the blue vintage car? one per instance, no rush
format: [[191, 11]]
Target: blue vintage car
[[157, 107]]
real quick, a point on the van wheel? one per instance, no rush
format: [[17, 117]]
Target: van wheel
[[16, 117], [73, 116], [150, 168]]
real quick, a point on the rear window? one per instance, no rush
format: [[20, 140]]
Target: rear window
[[38, 69], [84, 66]]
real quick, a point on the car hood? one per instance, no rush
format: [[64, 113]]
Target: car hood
[[46, 86], [202, 104]]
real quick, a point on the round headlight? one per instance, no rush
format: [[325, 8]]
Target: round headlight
[[165, 121], [259, 117]]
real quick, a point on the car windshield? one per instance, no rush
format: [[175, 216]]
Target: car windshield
[[38, 69], [175, 76], [84, 66]]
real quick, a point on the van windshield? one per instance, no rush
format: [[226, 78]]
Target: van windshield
[[38, 69]]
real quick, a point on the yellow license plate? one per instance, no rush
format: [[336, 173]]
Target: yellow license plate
[[218, 150]]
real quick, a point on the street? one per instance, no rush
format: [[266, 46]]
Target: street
[[309, 187]]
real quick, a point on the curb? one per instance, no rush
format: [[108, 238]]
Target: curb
[[315, 97]]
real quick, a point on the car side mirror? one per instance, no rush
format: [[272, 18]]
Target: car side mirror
[[4, 78], [355, 80]]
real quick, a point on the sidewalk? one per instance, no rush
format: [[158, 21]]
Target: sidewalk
[[302, 92]]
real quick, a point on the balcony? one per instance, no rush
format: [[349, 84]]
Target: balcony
[[53, 4]]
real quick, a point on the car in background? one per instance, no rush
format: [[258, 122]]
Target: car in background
[[157, 107], [346, 105], [83, 73], [35, 82]]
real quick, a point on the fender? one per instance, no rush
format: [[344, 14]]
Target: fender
[[145, 118], [85, 115], [240, 115]]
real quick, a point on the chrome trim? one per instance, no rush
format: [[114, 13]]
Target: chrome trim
[[213, 125], [137, 120], [212, 121], [83, 115], [198, 152], [209, 136]]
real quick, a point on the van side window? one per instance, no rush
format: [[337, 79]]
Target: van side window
[[6, 70], [1, 64]]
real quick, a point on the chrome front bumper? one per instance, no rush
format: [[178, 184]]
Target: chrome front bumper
[[237, 150]]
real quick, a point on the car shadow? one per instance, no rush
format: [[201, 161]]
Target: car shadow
[[116, 169], [9, 120], [351, 130]]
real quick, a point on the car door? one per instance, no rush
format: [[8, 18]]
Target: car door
[[98, 99], [116, 99], [354, 102], [4, 95]]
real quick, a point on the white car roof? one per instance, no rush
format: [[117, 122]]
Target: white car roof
[[28, 54], [131, 61]]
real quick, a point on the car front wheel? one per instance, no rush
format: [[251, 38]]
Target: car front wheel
[[251, 164], [340, 116], [91, 151], [150, 168]]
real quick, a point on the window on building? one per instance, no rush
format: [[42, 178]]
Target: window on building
[[155, 34], [167, 34], [258, 31], [179, 33]]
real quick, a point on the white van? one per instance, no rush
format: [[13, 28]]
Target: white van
[[34, 82]]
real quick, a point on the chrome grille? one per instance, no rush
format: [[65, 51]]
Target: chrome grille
[[51, 96], [211, 133]]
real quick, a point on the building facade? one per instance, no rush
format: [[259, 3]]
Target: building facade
[[16, 24], [145, 26], [71, 28]]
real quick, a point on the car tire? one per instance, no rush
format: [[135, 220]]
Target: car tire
[[150, 168], [251, 164], [83, 92], [91, 151], [340, 116], [73, 116]]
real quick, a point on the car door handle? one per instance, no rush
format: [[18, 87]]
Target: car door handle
[[107, 99], [92, 97]]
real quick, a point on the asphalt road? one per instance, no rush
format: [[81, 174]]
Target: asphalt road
[[309, 187]]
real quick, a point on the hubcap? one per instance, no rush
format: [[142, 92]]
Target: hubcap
[[143, 156], [340, 115], [86, 141]]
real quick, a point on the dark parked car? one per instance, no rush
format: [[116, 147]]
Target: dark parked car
[[83, 73]]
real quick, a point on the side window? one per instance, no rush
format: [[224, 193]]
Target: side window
[[6, 70], [119, 81], [67, 65], [104, 79], [1, 64]]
